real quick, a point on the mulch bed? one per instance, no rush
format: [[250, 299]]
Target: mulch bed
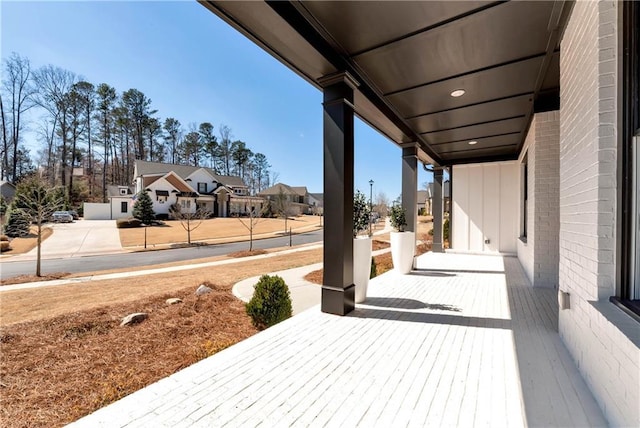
[[55, 371], [21, 279], [247, 253]]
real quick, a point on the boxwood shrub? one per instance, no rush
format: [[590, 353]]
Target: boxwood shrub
[[124, 223], [271, 302]]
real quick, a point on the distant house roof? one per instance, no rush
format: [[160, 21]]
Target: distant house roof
[[7, 190], [317, 196], [115, 191], [145, 168], [285, 189], [422, 196]]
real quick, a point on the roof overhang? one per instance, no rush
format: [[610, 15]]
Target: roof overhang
[[408, 57]]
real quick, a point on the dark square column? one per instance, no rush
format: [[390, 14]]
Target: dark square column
[[410, 185], [438, 211], [338, 290]]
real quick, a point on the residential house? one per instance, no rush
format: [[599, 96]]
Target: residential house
[[7, 190], [316, 201], [120, 204], [297, 198], [193, 188], [532, 106], [425, 197]]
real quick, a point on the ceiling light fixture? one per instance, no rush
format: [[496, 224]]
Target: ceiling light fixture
[[457, 93], [471, 143]]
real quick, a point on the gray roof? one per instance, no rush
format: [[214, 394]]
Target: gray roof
[[115, 191], [317, 196], [422, 196], [183, 171]]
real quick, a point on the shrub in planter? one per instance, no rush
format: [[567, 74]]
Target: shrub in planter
[[398, 218], [125, 223], [271, 302]]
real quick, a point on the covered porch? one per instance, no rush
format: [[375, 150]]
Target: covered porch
[[462, 341]]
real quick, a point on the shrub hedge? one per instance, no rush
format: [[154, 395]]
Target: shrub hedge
[[124, 223]]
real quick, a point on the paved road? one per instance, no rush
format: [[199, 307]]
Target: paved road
[[10, 268]]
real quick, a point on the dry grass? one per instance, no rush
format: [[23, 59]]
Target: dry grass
[[46, 302], [29, 242], [247, 253], [215, 230], [56, 370], [21, 279]]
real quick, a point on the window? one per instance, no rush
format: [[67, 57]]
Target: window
[[124, 207], [525, 197], [202, 187], [628, 245], [123, 191]]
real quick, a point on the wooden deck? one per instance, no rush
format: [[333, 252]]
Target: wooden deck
[[462, 341]]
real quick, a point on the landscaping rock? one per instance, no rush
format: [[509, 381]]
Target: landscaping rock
[[173, 301], [134, 318], [203, 289]]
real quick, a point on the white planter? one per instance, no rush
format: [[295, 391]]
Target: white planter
[[361, 266], [403, 246]]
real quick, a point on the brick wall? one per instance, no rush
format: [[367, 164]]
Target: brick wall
[[539, 255], [602, 340]]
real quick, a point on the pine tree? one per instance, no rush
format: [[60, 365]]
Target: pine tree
[[143, 208], [17, 222]]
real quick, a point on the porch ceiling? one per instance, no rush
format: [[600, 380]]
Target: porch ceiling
[[409, 56]]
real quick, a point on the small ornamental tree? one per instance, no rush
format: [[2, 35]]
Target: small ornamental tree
[[271, 302], [143, 208], [361, 213], [398, 217], [38, 201]]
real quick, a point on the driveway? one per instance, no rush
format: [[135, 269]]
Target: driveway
[[78, 239]]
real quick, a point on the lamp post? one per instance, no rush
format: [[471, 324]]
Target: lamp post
[[370, 204]]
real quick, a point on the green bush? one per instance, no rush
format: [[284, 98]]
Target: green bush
[[445, 230], [271, 302], [398, 218], [125, 223], [374, 269], [18, 222]]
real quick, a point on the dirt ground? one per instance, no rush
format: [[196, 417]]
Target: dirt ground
[[216, 230], [29, 242]]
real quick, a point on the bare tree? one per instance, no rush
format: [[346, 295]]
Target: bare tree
[[254, 215], [283, 207], [38, 201], [224, 148], [17, 90], [189, 221], [52, 87], [382, 205]]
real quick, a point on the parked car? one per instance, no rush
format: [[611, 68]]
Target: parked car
[[62, 217], [74, 214]]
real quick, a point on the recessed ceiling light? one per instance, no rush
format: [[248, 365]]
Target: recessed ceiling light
[[457, 93], [473, 142]]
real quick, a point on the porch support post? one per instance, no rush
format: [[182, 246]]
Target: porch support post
[[338, 289], [438, 211], [410, 185]]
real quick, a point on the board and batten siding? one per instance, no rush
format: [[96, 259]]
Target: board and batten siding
[[485, 207]]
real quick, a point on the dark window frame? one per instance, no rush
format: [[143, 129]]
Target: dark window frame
[[124, 207], [629, 126], [525, 196]]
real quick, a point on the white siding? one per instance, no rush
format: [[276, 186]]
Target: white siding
[[485, 207]]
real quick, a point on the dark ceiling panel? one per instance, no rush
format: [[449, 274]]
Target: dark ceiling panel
[[503, 143], [361, 25], [513, 79], [469, 115], [496, 35], [474, 132]]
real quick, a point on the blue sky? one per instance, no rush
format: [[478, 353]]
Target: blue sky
[[196, 68]]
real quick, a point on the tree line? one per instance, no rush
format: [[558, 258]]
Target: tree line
[[94, 132]]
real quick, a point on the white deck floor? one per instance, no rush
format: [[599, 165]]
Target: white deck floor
[[462, 341]]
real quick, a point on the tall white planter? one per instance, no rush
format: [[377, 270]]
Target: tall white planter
[[403, 246], [361, 266]]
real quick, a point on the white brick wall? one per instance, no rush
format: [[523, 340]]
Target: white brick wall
[[539, 255], [602, 339]]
